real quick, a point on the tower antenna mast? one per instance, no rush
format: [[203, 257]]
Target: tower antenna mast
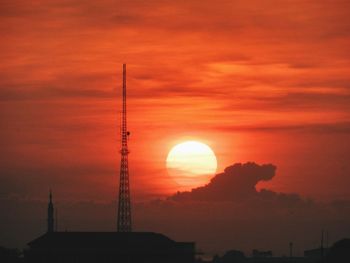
[[124, 206]]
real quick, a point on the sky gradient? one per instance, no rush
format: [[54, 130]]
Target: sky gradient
[[262, 81]]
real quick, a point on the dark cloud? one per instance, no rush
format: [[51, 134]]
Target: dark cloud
[[230, 213], [235, 183]]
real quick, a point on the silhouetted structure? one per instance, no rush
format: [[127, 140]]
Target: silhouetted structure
[[261, 254], [138, 247], [124, 206], [121, 246], [339, 252], [235, 256], [50, 218], [317, 253], [8, 255]]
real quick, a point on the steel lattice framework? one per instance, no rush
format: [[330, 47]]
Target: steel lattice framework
[[124, 206]]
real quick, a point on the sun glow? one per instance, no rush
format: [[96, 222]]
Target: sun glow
[[191, 163]]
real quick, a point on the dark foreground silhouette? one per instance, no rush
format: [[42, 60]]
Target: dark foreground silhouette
[[338, 253], [143, 247], [147, 247]]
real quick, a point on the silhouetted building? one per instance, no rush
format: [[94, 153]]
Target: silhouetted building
[[232, 256], [340, 252], [316, 253], [128, 247], [8, 255], [261, 254], [50, 218], [117, 247]]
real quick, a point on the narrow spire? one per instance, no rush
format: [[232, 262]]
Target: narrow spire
[[50, 216]]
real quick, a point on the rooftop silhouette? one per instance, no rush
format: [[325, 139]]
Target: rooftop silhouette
[[108, 247]]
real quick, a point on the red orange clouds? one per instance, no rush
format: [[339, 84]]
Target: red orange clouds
[[257, 80]]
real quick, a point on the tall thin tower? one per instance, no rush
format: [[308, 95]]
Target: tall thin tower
[[124, 207]]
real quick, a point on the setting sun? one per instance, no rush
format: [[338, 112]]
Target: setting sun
[[191, 163]]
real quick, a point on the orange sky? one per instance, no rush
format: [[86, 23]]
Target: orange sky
[[264, 81]]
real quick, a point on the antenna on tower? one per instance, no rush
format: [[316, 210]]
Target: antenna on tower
[[124, 206], [120, 127]]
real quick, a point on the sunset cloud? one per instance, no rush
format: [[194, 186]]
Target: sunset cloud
[[263, 81]]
